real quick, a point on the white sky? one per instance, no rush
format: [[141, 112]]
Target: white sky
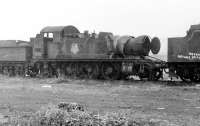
[[22, 19]]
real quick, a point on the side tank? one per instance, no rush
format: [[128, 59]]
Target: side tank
[[139, 46], [66, 42]]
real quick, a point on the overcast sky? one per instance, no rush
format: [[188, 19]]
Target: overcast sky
[[22, 19]]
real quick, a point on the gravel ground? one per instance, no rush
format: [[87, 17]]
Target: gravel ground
[[177, 105]]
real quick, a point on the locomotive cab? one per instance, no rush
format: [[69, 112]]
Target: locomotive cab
[[50, 38], [55, 36]]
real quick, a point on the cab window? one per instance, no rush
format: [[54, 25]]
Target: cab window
[[48, 35]]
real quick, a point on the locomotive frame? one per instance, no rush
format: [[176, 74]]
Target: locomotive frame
[[108, 69]]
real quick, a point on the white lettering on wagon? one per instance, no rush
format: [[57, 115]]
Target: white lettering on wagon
[[190, 56]]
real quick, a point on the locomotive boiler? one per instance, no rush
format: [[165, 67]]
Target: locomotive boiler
[[140, 46]]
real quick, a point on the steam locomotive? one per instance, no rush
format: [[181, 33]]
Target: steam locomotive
[[64, 51]]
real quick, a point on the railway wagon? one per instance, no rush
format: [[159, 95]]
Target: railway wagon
[[184, 55], [14, 57], [64, 51]]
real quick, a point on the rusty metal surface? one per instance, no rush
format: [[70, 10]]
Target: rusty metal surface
[[70, 30], [85, 48], [13, 43], [68, 42], [52, 29], [15, 50], [176, 46], [103, 35], [78, 48], [185, 49], [139, 46], [155, 45], [15, 53], [23, 43], [40, 47], [66, 29], [71, 45], [195, 27], [8, 43], [121, 43], [194, 44]]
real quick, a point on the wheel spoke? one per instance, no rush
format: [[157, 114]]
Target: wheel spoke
[[195, 75], [90, 70], [184, 75], [157, 74], [110, 71]]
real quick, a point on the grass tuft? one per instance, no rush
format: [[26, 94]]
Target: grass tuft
[[73, 114]]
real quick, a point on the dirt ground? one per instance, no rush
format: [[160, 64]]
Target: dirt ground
[[177, 105]]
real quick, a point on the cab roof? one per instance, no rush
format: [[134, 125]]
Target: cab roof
[[195, 27], [66, 29]]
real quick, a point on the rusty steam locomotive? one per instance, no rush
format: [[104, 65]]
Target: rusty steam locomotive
[[64, 51]]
